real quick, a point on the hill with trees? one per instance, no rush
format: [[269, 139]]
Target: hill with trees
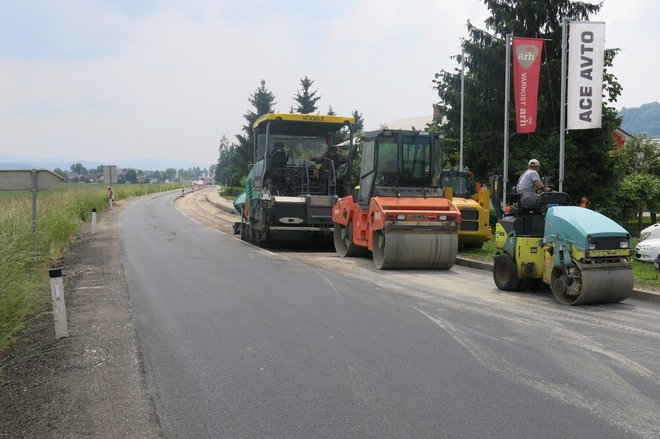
[[642, 120]]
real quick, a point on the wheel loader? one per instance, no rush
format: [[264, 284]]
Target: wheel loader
[[297, 176], [583, 256], [474, 205], [398, 211]]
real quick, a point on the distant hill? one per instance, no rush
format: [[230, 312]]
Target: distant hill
[[644, 119], [22, 162]]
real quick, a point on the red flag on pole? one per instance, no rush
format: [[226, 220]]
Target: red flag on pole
[[526, 70]]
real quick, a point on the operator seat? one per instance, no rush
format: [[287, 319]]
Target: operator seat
[[278, 157]]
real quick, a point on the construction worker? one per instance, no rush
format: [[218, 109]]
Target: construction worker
[[530, 184], [331, 152]]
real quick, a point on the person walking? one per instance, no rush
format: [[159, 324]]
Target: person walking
[[111, 196]]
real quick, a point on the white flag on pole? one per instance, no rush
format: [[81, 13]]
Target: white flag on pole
[[586, 55]]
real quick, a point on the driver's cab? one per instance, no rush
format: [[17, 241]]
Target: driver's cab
[[291, 153], [399, 163]]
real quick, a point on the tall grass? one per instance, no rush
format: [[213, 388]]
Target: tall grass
[[23, 271]]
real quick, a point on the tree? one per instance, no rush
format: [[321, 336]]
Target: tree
[[263, 101], [224, 168], [359, 121], [642, 155], [61, 173], [306, 100], [590, 167], [130, 176], [170, 174], [641, 187], [78, 169], [183, 174]]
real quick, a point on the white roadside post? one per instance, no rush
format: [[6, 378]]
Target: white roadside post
[[94, 221], [59, 307]]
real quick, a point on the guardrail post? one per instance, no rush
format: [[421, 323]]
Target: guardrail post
[[59, 307]]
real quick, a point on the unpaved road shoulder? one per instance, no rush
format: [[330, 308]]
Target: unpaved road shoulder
[[90, 384]]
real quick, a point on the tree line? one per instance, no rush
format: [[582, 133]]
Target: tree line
[[80, 174]]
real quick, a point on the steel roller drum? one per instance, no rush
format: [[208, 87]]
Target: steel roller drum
[[613, 284], [392, 250]]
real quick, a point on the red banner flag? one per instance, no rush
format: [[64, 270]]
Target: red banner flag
[[526, 70]]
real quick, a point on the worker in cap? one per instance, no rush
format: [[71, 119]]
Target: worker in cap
[[530, 185]]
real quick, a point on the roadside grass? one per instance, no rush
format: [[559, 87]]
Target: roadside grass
[[24, 284], [230, 192], [644, 272]]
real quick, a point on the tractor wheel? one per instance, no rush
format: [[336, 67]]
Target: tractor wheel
[[504, 273]]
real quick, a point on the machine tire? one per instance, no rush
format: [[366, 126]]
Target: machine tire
[[343, 239], [504, 273]]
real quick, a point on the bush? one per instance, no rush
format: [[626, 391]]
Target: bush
[[231, 191]]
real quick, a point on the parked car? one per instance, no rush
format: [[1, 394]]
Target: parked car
[[651, 232], [647, 250]]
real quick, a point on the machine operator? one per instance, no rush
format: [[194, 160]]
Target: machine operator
[[530, 184]]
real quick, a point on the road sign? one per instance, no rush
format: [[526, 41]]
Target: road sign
[[110, 174], [22, 180]]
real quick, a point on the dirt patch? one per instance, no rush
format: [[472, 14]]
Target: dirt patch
[[89, 384]]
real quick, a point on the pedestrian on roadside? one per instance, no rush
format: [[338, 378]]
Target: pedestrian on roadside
[[111, 196]]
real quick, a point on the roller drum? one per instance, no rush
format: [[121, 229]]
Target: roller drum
[[343, 239], [598, 285], [414, 250]]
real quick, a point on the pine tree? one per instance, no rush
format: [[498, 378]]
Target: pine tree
[[263, 102], [306, 100]]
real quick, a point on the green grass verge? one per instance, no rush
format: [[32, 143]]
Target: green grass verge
[[24, 284]]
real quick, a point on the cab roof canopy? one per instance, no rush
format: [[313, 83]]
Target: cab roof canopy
[[301, 124]]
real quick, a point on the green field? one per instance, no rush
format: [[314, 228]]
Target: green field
[[24, 284]]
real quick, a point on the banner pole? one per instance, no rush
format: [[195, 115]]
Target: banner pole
[[460, 166], [505, 171], [562, 116]]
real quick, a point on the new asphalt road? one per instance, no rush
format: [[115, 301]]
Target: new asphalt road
[[242, 342]]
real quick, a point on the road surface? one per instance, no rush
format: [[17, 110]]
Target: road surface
[[243, 342]]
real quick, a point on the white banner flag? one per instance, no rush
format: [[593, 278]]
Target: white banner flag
[[586, 55]]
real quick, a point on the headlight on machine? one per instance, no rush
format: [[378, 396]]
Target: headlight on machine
[[442, 217], [592, 246], [401, 217], [624, 244]]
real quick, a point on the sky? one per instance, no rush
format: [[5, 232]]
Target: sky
[[122, 80]]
